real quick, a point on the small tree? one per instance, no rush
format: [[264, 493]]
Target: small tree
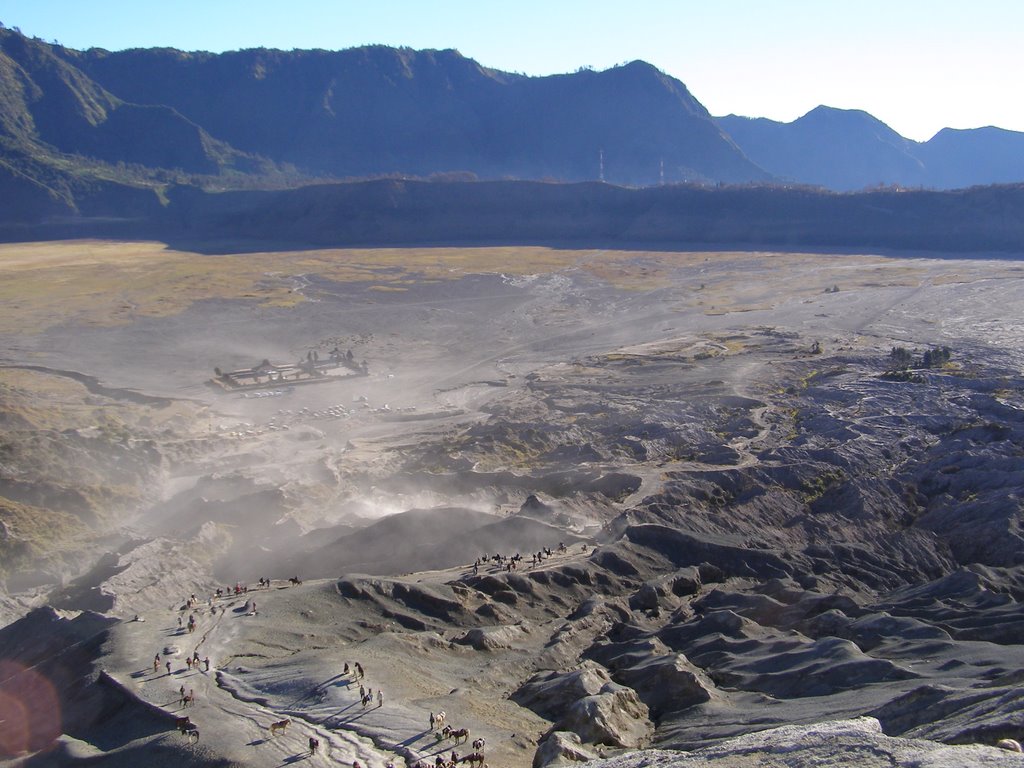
[[935, 358], [900, 358]]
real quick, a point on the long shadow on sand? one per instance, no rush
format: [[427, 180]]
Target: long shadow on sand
[[338, 714], [412, 739], [349, 718], [319, 688]]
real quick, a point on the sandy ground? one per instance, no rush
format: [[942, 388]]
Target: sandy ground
[[234, 728], [274, 656], [446, 346]]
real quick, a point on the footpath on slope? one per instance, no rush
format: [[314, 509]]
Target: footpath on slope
[[233, 708], [234, 729]]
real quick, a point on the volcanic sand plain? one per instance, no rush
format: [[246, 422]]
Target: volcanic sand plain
[[464, 346]]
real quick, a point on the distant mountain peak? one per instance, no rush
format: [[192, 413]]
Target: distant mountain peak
[[824, 112]]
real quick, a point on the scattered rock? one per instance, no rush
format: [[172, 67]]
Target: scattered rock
[[615, 717], [550, 693], [561, 748], [667, 683], [493, 638], [858, 742]]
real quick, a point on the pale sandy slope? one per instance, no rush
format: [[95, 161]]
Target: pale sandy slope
[[286, 660]]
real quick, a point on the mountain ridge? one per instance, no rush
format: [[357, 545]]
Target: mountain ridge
[[100, 133], [850, 149], [379, 110]]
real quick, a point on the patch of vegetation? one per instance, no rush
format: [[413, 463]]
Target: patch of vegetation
[[904, 376], [816, 487], [803, 382], [28, 531], [112, 283], [936, 357], [902, 359], [72, 460]]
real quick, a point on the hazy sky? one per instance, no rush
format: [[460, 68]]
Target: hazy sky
[[917, 65]]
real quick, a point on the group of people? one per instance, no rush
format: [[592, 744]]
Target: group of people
[[191, 662], [239, 588], [365, 693], [511, 563], [366, 697], [353, 671]]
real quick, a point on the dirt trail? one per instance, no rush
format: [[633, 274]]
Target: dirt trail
[[234, 728]]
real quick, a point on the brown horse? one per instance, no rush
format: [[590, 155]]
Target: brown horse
[[280, 725]]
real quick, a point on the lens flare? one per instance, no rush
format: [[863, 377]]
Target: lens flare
[[29, 710]]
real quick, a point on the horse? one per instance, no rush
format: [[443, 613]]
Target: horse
[[477, 758], [439, 719], [462, 733], [478, 744], [280, 725], [314, 745], [189, 730], [295, 581]]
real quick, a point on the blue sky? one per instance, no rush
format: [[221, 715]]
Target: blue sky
[[918, 66]]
